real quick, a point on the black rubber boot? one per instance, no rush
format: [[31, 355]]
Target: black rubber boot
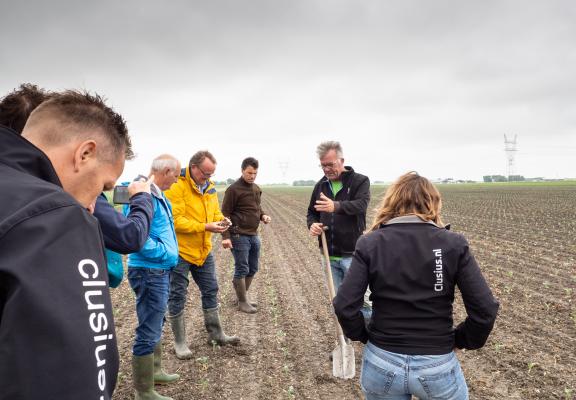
[[214, 328]]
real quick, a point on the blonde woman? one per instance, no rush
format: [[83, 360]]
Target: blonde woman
[[412, 264]]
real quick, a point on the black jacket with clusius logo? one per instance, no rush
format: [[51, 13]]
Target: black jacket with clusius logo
[[348, 220], [413, 268], [57, 338]]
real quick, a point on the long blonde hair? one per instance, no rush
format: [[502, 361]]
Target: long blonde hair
[[411, 194]]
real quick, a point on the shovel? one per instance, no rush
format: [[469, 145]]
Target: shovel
[[343, 363]]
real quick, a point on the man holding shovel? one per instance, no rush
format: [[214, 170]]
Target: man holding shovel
[[339, 202]]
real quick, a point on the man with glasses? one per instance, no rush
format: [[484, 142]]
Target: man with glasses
[[196, 216], [339, 201]]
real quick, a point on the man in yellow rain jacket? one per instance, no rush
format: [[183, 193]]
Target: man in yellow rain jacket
[[196, 216]]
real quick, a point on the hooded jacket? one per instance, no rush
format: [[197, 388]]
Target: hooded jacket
[[192, 210], [348, 221], [413, 268], [57, 338]]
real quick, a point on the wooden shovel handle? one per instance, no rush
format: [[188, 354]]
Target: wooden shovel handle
[[331, 289]]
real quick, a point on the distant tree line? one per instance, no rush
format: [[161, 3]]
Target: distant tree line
[[228, 181], [502, 178], [304, 183]]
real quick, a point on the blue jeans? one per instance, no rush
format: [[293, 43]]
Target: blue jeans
[[339, 270], [387, 375], [246, 250], [205, 277], [151, 286]]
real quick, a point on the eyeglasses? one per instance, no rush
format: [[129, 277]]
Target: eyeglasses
[[206, 175], [331, 165]]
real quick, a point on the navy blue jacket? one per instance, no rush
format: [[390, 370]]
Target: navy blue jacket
[[125, 234]]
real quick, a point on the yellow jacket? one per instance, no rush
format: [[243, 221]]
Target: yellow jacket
[[192, 210]]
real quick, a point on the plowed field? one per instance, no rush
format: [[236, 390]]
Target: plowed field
[[524, 238]]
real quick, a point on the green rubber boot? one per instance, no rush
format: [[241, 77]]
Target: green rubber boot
[[143, 377], [161, 377], [178, 324], [214, 329]]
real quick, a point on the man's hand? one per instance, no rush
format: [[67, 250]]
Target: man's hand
[[227, 244], [316, 228], [140, 186], [324, 204], [266, 219], [216, 227]]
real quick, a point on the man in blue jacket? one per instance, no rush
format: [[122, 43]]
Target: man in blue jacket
[[149, 277]]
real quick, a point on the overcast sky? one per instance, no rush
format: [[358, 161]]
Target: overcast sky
[[423, 85]]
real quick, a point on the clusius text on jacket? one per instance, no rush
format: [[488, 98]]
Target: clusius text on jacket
[[439, 285], [98, 321]]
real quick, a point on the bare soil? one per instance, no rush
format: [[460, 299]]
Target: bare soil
[[523, 237]]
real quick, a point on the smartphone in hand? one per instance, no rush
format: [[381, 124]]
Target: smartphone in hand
[[121, 195]]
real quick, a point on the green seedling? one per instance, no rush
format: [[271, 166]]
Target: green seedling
[[531, 365], [203, 384], [568, 394], [291, 392]]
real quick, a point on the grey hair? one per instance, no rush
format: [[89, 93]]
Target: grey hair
[[163, 162], [325, 147]]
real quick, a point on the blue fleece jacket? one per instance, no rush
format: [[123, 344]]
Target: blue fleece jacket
[[161, 247]]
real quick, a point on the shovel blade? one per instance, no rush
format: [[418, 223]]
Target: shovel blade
[[343, 362]]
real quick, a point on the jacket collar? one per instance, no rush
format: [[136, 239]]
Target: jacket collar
[[185, 173], [410, 219], [155, 191], [344, 176], [19, 154]]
